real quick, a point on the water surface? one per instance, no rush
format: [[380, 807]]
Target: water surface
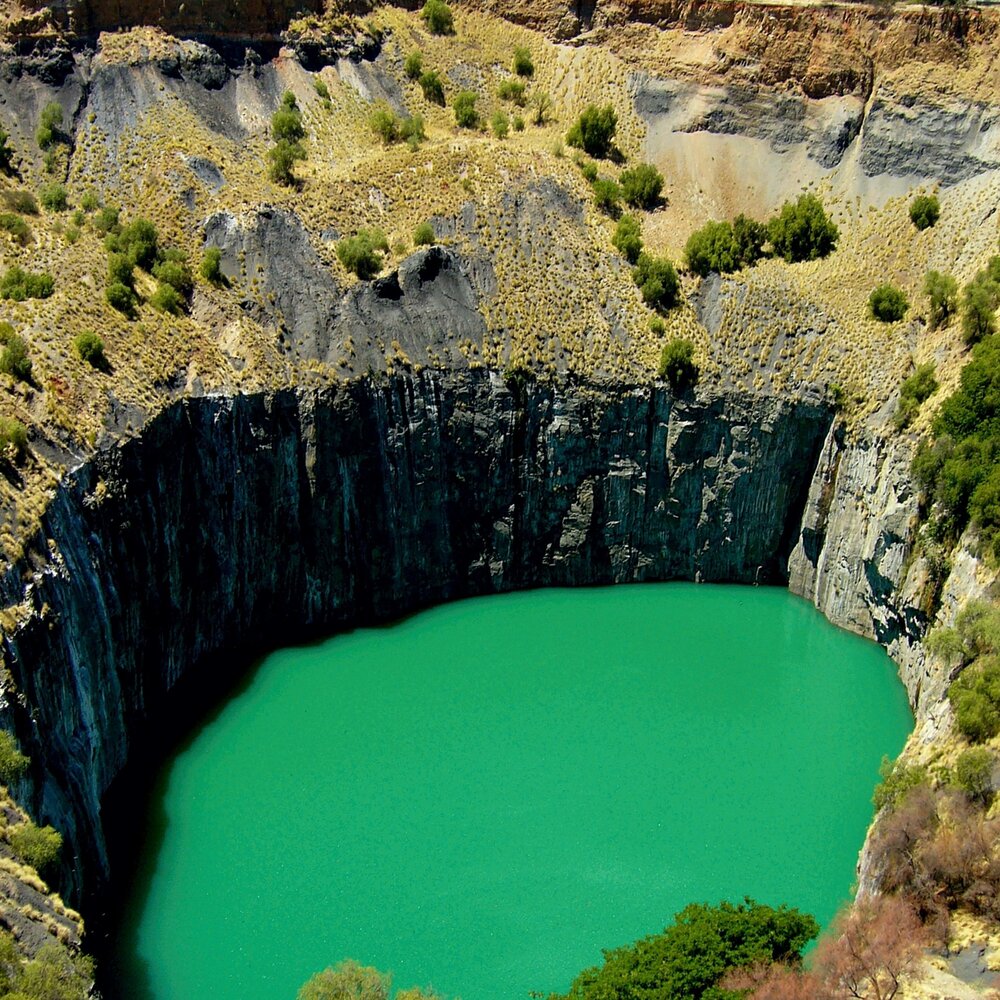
[[483, 796]]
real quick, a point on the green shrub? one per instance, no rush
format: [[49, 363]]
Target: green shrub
[[518, 123], [589, 170], [175, 273], [90, 348], [16, 226], [438, 18], [500, 124], [627, 239], [347, 981], [513, 90], [13, 763], [887, 303], [211, 266], [802, 230], [14, 360], [413, 67], [167, 299], [18, 284], [677, 364], [39, 846], [411, 130], [711, 248], [54, 198], [942, 291], [289, 102], [322, 90], [749, 237], [119, 296], [106, 220], [138, 241], [432, 87], [541, 103], [689, 958], [464, 106], [384, 123], [423, 235], [282, 157], [975, 698], [21, 201], [120, 270], [974, 773], [286, 125], [914, 391], [362, 253], [924, 211], [6, 154], [606, 195], [90, 202], [523, 65], [641, 186], [13, 443], [49, 131], [897, 780], [593, 130], [979, 303], [657, 281]]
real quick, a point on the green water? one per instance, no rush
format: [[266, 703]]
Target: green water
[[483, 796]]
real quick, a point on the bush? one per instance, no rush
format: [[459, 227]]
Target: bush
[[21, 201], [384, 123], [119, 296], [887, 303], [106, 220], [464, 106], [897, 781], [593, 130], [942, 290], [500, 124], [138, 241], [167, 299], [18, 284], [687, 960], [979, 301], [322, 90], [347, 980], [413, 67], [13, 763], [362, 253], [39, 846], [423, 235], [282, 157], [53, 198], [975, 697], [914, 391], [523, 66], [13, 442], [437, 16], [677, 364], [90, 202], [175, 273], [924, 211], [6, 154], [627, 239], [641, 186], [542, 105], [513, 90], [589, 170], [518, 123], [432, 87], [657, 281], [211, 266], [711, 248], [90, 348], [411, 131], [49, 128], [286, 125], [17, 227], [606, 195], [749, 237], [120, 270], [14, 360], [974, 773], [802, 231]]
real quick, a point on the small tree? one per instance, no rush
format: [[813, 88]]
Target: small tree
[[641, 186], [138, 241], [657, 281], [167, 299], [914, 391], [942, 290], [513, 90], [925, 210], [53, 198], [13, 442], [13, 763], [749, 237], [500, 124], [464, 106], [119, 296], [627, 239], [423, 235], [6, 154], [211, 266], [384, 123], [606, 195], [39, 846], [711, 248], [362, 253], [16, 226], [286, 125], [411, 131], [432, 87], [282, 158], [438, 18], [322, 90], [18, 284], [887, 303], [978, 311], [802, 230], [14, 360], [413, 67], [677, 364], [523, 65], [541, 104], [974, 773], [90, 348], [593, 130], [347, 981], [49, 133]]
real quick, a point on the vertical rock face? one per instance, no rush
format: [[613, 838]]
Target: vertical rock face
[[236, 521]]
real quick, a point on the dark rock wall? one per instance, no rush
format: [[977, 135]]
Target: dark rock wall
[[242, 521]]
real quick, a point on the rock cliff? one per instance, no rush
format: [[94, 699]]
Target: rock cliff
[[236, 521]]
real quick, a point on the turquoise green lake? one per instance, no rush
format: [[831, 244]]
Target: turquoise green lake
[[484, 795]]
